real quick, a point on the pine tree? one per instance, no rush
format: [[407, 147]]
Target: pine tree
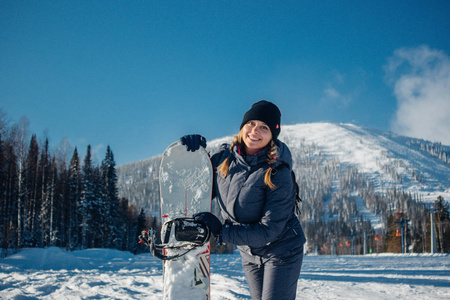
[[127, 222], [52, 200], [393, 236], [74, 199], [442, 224], [3, 200], [45, 181], [113, 222], [62, 206], [9, 196], [98, 218], [32, 200], [87, 199]]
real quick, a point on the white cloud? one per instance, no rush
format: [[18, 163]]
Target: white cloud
[[421, 80], [332, 93]]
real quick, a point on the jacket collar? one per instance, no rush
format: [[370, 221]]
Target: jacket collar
[[284, 156]]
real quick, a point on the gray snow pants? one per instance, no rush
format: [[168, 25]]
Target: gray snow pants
[[274, 278]]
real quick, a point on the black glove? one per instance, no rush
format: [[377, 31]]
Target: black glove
[[211, 221], [193, 142]]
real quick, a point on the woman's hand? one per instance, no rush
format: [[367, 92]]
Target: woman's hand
[[211, 221], [193, 142]]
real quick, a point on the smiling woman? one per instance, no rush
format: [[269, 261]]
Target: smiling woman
[[257, 203]]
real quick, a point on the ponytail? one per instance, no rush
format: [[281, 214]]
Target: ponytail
[[222, 169], [271, 157]]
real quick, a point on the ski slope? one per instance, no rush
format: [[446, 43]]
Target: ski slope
[[53, 273], [372, 151]]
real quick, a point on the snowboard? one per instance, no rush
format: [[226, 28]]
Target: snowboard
[[185, 180]]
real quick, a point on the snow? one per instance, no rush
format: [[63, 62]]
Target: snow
[[53, 273], [366, 214], [370, 150], [185, 268]]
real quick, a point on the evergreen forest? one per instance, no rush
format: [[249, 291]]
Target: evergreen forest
[[57, 198]]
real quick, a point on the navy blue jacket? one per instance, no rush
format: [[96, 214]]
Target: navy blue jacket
[[260, 221]]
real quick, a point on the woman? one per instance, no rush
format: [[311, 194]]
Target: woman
[[256, 194]]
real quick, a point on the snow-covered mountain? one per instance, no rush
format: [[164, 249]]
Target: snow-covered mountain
[[341, 169], [385, 158]]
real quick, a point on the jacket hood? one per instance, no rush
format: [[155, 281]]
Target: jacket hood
[[284, 154]]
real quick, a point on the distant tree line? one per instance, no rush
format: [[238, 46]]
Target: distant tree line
[[48, 200], [331, 218], [434, 149]]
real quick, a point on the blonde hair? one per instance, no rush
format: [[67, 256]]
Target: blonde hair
[[272, 153]]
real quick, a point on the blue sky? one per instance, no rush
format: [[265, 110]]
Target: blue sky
[[137, 75]]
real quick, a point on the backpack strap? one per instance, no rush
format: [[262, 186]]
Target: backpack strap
[[298, 200]]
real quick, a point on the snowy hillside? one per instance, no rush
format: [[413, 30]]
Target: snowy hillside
[[351, 180], [385, 158], [53, 273]]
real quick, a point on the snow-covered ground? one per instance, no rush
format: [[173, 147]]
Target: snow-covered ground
[[109, 274]]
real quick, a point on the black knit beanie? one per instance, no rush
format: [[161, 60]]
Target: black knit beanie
[[266, 112]]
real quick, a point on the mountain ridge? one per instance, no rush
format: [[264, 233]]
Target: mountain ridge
[[387, 160]]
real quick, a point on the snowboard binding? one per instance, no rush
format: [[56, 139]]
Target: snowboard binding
[[180, 233]]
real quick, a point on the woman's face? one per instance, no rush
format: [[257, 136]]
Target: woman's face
[[255, 135]]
